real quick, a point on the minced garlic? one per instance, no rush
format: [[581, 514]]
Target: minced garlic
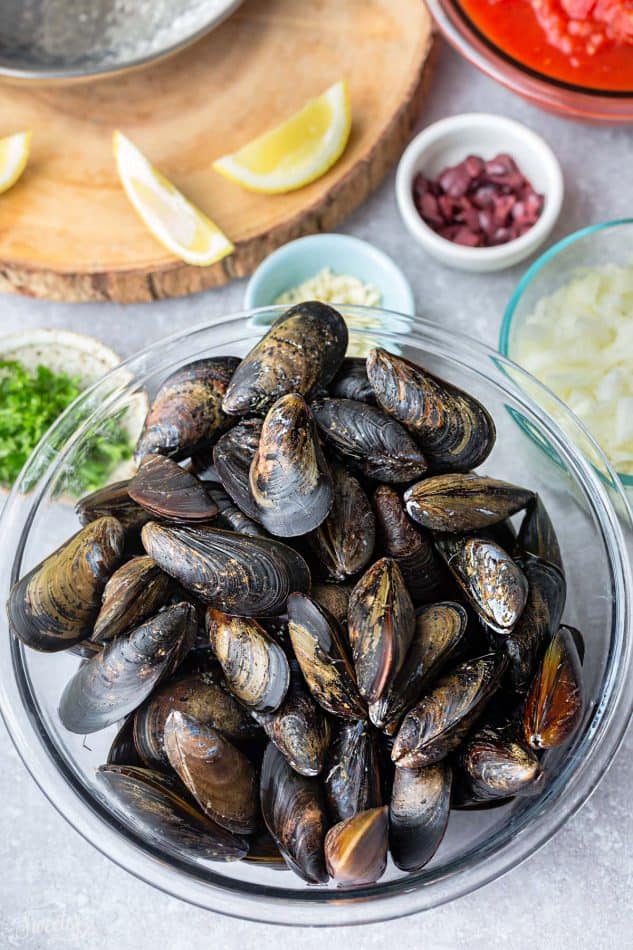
[[329, 287]]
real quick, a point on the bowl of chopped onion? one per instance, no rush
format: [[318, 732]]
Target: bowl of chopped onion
[[570, 323]]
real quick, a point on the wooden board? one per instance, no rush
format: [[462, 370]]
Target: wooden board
[[67, 231]]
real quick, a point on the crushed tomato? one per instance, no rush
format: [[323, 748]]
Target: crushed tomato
[[585, 42]]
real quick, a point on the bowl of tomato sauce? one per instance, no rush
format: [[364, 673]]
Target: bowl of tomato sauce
[[572, 57]]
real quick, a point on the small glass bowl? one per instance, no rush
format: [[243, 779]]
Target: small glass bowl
[[563, 98], [609, 242], [478, 846]]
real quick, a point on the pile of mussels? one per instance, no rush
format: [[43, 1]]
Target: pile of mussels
[[325, 698]]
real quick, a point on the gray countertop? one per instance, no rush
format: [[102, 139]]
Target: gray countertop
[[56, 891]]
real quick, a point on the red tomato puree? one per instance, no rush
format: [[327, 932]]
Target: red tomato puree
[[586, 42]]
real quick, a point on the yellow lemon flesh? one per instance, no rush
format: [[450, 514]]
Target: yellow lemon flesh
[[296, 152], [14, 154], [173, 220]]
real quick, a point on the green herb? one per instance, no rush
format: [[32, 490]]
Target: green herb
[[29, 404]]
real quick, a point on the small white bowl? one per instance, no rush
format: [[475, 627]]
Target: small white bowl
[[450, 141]]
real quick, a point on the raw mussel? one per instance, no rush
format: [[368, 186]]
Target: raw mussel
[[334, 597], [186, 416], [135, 591], [170, 492], [418, 814], [123, 750], [351, 381], [356, 849], [554, 704], [463, 501], [233, 455], [304, 348], [495, 764], [232, 518], [344, 543], [113, 501], [55, 605], [537, 535], [352, 776], [410, 546]]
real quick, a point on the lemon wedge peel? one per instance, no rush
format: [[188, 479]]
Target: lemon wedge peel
[[170, 217], [14, 155], [296, 152]]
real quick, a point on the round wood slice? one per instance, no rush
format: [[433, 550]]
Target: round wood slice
[[67, 231]]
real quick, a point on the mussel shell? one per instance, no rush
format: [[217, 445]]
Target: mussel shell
[[454, 430], [123, 750], [233, 572], [232, 518], [156, 807], [218, 775], [352, 776], [186, 416], [119, 678], [168, 491], [264, 852], [369, 440], [494, 764], [439, 632], [537, 535], [538, 622], [322, 654], [113, 501], [351, 381], [493, 583], [294, 813], [463, 501], [381, 626], [134, 592], [410, 546], [204, 696], [303, 348], [55, 605], [344, 543], [289, 479], [255, 665], [418, 814], [356, 849], [334, 598], [554, 705], [232, 457], [299, 728], [440, 720]]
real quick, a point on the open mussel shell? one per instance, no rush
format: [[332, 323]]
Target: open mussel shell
[[304, 348], [454, 430], [157, 808], [463, 501], [135, 591], [540, 619], [232, 456], [123, 750], [537, 535], [119, 678], [254, 664], [293, 810], [351, 381], [186, 416], [410, 546], [170, 492], [113, 501], [369, 440], [439, 632], [494, 764], [334, 598], [344, 543], [554, 705], [356, 849], [418, 814], [299, 728], [233, 572], [204, 696], [440, 720], [322, 654], [289, 479], [381, 625], [352, 776], [493, 583], [55, 605], [219, 776], [232, 518]]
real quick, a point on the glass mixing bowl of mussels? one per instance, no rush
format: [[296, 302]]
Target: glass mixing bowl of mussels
[[354, 640]]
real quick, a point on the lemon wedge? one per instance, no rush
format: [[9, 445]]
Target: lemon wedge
[[173, 220], [14, 154], [296, 152]]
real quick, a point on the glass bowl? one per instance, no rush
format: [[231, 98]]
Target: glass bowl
[[563, 98], [479, 846], [608, 243]]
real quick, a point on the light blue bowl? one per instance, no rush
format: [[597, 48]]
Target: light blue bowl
[[295, 262]]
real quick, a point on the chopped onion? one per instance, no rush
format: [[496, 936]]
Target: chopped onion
[[579, 342]]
